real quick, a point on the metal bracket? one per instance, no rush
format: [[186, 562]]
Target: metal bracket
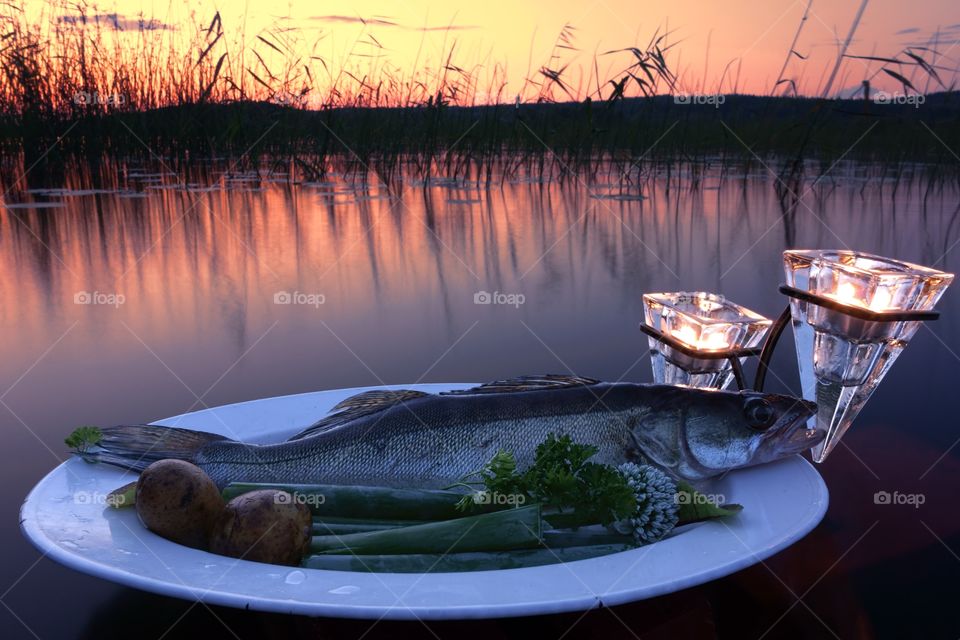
[[773, 335], [733, 355], [776, 331]]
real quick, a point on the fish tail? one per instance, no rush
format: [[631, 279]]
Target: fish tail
[[135, 447]]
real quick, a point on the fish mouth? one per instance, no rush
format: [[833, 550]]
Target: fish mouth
[[801, 440], [793, 436]]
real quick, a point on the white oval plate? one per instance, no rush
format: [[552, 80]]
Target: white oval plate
[[66, 518]]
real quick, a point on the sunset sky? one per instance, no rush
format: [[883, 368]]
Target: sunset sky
[[520, 34]]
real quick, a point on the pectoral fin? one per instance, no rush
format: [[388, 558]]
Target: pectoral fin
[[660, 444]]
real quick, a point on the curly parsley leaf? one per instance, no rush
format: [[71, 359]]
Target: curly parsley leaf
[[83, 438], [562, 480], [500, 478]]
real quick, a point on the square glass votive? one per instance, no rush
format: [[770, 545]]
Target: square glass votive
[[703, 322], [843, 357]]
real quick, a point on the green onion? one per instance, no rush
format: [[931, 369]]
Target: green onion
[[381, 503], [467, 561], [695, 508], [333, 525], [498, 531], [585, 537], [367, 522], [324, 528], [125, 496]]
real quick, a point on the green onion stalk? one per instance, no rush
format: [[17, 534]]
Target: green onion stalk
[[498, 531], [463, 561]]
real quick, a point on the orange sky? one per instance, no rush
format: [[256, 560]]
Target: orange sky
[[520, 33]]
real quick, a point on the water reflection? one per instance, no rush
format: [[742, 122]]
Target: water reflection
[[213, 253], [201, 256]]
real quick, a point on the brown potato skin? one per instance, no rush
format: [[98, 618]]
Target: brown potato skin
[[178, 501], [263, 526]]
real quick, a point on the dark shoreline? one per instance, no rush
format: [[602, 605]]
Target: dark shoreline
[[740, 129]]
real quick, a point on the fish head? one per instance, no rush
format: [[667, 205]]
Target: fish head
[[731, 430]]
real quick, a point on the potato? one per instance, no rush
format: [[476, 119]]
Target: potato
[[263, 526], [178, 501]]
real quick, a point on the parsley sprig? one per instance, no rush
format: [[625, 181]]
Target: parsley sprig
[[83, 438], [572, 490]]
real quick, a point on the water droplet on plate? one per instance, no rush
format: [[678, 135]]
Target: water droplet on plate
[[345, 590], [295, 577]]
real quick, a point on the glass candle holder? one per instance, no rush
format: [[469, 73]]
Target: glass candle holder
[[852, 327], [704, 323]]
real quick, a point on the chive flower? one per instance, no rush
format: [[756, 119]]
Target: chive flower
[[657, 507]]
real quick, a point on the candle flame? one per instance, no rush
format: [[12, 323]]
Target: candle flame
[[688, 335], [714, 341], [881, 300], [847, 292]]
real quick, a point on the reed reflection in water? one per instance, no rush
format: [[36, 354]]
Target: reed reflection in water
[[200, 272], [128, 296]]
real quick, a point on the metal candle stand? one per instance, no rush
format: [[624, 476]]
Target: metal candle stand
[[852, 314], [776, 330], [733, 355]]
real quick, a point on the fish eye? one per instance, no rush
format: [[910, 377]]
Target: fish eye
[[759, 413]]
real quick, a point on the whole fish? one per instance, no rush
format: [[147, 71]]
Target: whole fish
[[406, 438]]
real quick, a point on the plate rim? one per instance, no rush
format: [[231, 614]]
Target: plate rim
[[33, 531]]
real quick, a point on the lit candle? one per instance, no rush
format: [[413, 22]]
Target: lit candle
[[881, 300], [706, 323], [842, 358], [714, 341], [688, 335], [847, 294]]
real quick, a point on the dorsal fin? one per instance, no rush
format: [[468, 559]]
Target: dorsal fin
[[527, 383], [356, 406]]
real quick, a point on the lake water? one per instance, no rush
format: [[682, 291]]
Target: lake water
[[132, 293]]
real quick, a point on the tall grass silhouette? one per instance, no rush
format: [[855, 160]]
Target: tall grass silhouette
[[135, 86]]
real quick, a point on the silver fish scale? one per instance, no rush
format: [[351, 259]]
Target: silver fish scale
[[432, 442]]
